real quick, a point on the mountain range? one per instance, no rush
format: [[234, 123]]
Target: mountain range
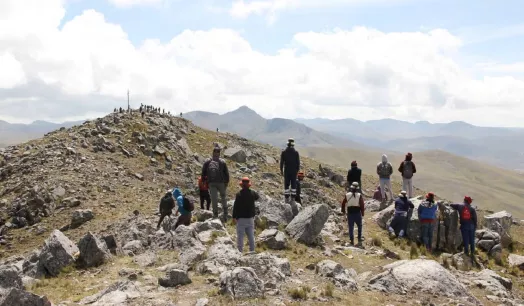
[[247, 123], [13, 133]]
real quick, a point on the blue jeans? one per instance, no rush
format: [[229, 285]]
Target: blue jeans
[[355, 218], [468, 236], [246, 226], [426, 233]]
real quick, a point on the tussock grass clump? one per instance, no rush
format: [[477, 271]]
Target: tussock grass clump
[[328, 290], [299, 293], [413, 252], [376, 241]]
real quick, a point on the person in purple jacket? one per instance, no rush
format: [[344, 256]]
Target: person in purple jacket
[[468, 224]]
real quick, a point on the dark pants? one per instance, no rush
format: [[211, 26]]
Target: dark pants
[[355, 218], [298, 199], [183, 219], [205, 197], [426, 234], [468, 236], [163, 214], [399, 223], [290, 179]]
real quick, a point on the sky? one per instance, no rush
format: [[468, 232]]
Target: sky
[[410, 60]]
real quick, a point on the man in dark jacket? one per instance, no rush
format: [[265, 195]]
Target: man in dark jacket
[[244, 214], [399, 224], [407, 169], [216, 173], [289, 167], [355, 175], [167, 203], [468, 224]]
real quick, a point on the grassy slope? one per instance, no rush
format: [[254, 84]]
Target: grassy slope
[[448, 175]]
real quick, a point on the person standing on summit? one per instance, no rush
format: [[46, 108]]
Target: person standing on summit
[[384, 171], [407, 169], [289, 167], [216, 175]]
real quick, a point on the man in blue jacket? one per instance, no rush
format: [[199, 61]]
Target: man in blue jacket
[[185, 215], [468, 224]]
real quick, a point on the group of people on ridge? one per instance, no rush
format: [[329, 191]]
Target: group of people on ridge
[[428, 211], [215, 178]]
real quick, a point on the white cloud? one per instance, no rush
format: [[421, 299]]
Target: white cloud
[[87, 66], [131, 3], [270, 8]]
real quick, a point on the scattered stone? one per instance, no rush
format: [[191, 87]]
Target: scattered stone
[[202, 302], [58, 252], [9, 278], [174, 278], [276, 213], [139, 176], [341, 277], [236, 154], [308, 224], [516, 261], [93, 251], [273, 239], [80, 217], [18, 297], [146, 259], [241, 282]]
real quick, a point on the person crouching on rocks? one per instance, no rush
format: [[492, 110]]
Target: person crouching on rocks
[[244, 214], [355, 211], [427, 213], [184, 207], [399, 224]]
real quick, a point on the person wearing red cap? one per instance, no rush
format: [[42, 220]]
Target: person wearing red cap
[[355, 175], [244, 214], [468, 225], [407, 169]]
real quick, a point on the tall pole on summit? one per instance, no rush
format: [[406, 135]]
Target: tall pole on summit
[[128, 107]]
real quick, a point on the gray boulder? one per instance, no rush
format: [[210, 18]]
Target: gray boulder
[[447, 236], [116, 294], [236, 154], [146, 259], [58, 252], [10, 278], [222, 255], [241, 282], [489, 281], [93, 251], [190, 248], [80, 217], [273, 239], [487, 239], [308, 224], [18, 297], [419, 275], [174, 278], [341, 277], [275, 212], [515, 260], [500, 223], [271, 269]]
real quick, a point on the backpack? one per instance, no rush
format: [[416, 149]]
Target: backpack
[[166, 203], [466, 213], [188, 205], [384, 170], [408, 169], [214, 172]]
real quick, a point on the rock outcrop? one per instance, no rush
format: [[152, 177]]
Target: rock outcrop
[[309, 223], [241, 282]]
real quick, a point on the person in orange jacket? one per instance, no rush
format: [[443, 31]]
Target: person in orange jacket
[[204, 193]]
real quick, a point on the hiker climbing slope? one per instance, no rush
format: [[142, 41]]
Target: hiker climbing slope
[[407, 169], [355, 175], [167, 203], [184, 207], [384, 171], [355, 211], [289, 167], [216, 173]]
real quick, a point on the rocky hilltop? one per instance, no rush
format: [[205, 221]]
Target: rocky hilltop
[[78, 210]]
